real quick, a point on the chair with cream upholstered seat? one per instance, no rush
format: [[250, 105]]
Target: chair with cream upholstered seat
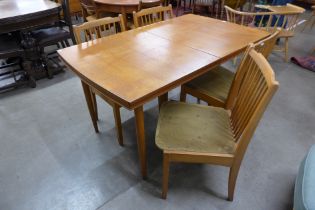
[[194, 133]]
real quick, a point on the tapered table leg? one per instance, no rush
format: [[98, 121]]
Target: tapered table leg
[[139, 116], [88, 98], [162, 99]]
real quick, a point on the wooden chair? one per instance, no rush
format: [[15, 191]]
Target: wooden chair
[[152, 15], [214, 86], [291, 20], [270, 21], [94, 30], [194, 133]]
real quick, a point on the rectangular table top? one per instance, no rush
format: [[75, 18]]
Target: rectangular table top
[[136, 66]]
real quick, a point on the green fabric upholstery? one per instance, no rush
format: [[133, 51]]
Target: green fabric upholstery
[[215, 83], [194, 128], [304, 192]]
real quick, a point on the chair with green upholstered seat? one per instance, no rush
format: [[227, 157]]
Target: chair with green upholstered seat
[[196, 133], [213, 87]]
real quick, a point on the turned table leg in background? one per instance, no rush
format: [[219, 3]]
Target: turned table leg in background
[[139, 116], [88, 98]]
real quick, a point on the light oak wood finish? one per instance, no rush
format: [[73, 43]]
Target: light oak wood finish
[[213, 87], [152, 15], [90, 31], [279, 17], [136, 66], [234, 126], [291, 14]]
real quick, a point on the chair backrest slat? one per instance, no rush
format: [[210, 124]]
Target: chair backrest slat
[[257, 85], [264, 47], [152, 15], [98, 28]]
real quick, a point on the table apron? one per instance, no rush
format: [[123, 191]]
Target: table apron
[[161, 91], [29, 24], [116, 8]]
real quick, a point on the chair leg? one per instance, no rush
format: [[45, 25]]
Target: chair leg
[[116, 110], [232, 180], [166, 170], [182, 95], [286, 50], [94, 104]]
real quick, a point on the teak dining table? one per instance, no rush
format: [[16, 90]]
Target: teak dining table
[[122, 7], [136, 66]]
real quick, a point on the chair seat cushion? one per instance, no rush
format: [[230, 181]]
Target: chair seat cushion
[[48, 36], [194, 128], [304, 193], [215, 83]]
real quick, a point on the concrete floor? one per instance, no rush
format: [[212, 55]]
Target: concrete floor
[[50, 157]]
